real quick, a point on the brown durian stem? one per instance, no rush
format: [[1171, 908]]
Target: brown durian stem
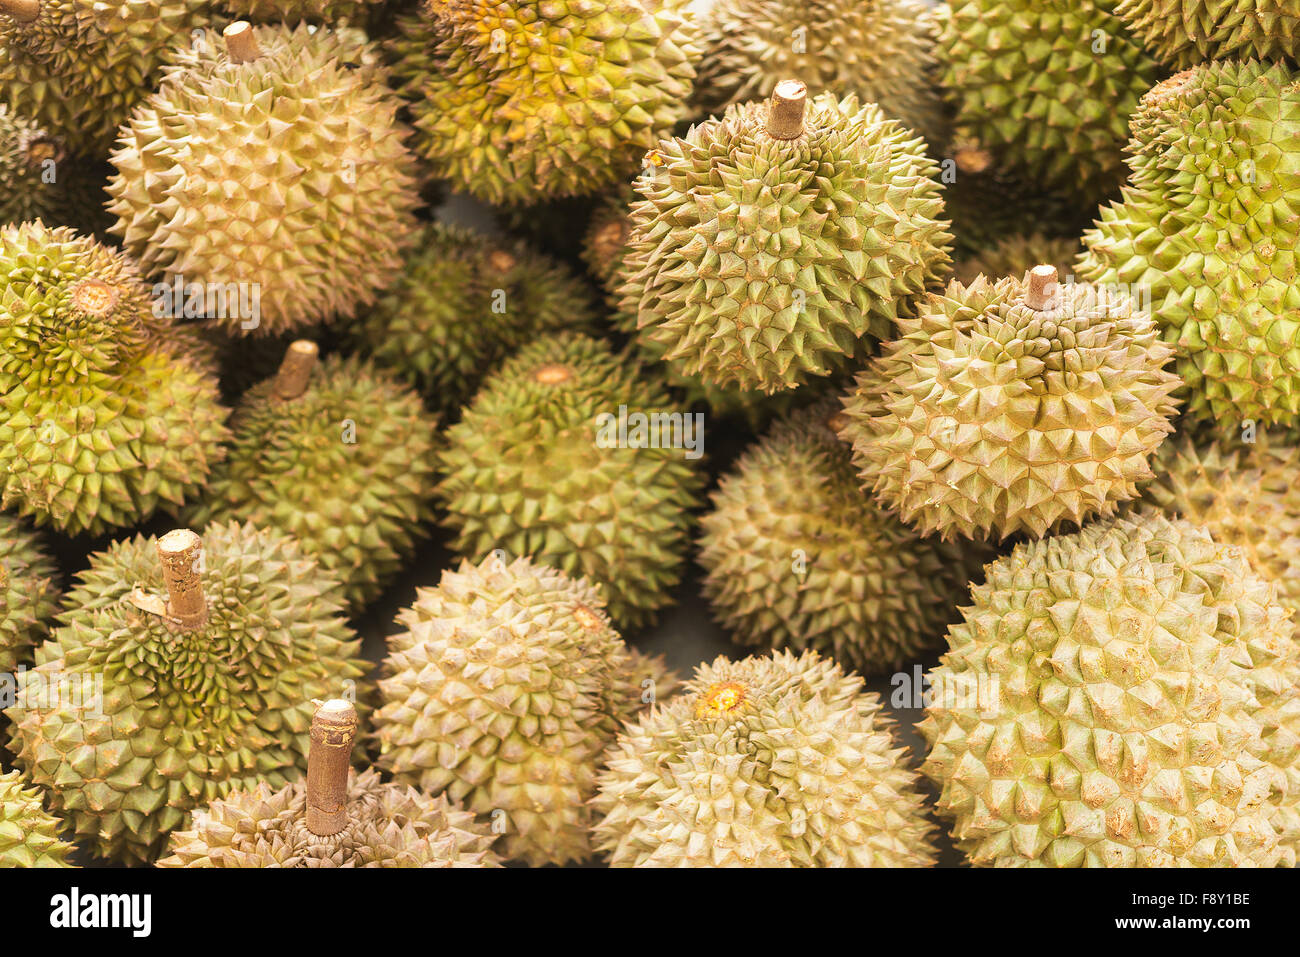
[[785, 114], [295, 371], [24, 11], [333, 732], [502, 261], [1042, 289], [179, 552], [241, 42]]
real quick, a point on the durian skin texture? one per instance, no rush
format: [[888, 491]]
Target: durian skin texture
[[29, 157], [289, 171], [502, 691], [28, 591], [101, 422], [761, 262], [29, 835], [1207, 226], [774, 761], [987, 417], [187, 716], [1184, 33], [298, 11], [1015, 255], [1100, 705], [523, 471]]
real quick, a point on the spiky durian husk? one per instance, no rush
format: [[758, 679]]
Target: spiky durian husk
[[347, 468], [186, 716], [1016, 255], [100, 421], [1183, 33], [525, 472], [287, 173], [38, 180], [299, 11], [988, 417], [759, 262], [503, 690], [650, 680], [1097, 705], [766, 762], [28, 593], [883, 51], [389, 825], [798, 556], [605, 242], [1048, 85], [521, 100], [29, 835], [463, 303], [1206, 228]]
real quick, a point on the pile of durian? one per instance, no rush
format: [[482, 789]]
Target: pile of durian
[[385, 383]]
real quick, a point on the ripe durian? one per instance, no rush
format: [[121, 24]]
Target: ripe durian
[[766, 762], [1012, 406], [769, 242], [502, 691], [336, 818], [516, 101], [29, 835], [28, 591], [190, 697], [1101, 705], [101, 422], [534, 468], [798, 556], [464, 302], [38, 180], [1206, 228], [1183, 33], [298, 11], [275, 164], [1016, 255]]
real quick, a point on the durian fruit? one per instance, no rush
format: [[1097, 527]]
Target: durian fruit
[[769, 242], [1012, 406], [28, 591], [798, 556], [517, 101], [883, 51], [38, 180], [1184, 33], [1099, 705], [774, 761], [101, 419], [298, 11], [605, 242], [199, 661], [537, 466], [1016, 255], [502, 691], [1206, 229], [29, 835], [336, 818], [650, 678], [464, 302], [341, 457], [273, 165], [1047, 85]]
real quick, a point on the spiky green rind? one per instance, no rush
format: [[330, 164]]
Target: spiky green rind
[[760, 262], [649, 678], [388, 825], [463, 303], [1184, 33], [1016, 255], [882, 51], [1206, 228], [1046, 84], [521, 100], [101, 422], [1099, 705], [186, 716], [298, 11], [987, 417], [39, 181], [28, 592], [347, 468], [802, 771], [29, 835], [605, 242], [525, 471], [502, 691], [286, 174]]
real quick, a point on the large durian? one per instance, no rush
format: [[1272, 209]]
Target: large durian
[[28, 591], [180, 671], [1206, 229], [537, 467], [38, 180], [29, 834], [274, 164], [769, 242], [502, 691], [102, 420], [516, 101], [1105, 702], [1186, 32], [1012, 406], [771, 761]]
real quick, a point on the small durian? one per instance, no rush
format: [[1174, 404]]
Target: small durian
[[29, 591], [537, 466], [39, 180], [1184, 33], [605, 242], [773, 761], [1016, 255], [336, 818], [29, 834], [650, 677], [1012, 406], [181, 670]]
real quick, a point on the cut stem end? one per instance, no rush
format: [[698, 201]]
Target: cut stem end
[[180, 552], [241, 42], [295, 370], [24, 11], [1043, 289], [785, 113], [333, 732]]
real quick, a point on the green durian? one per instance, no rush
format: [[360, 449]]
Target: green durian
[[1016, 255], [1184, 33], [292, 12], [29, 835], [38, 180], [29, 591]]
